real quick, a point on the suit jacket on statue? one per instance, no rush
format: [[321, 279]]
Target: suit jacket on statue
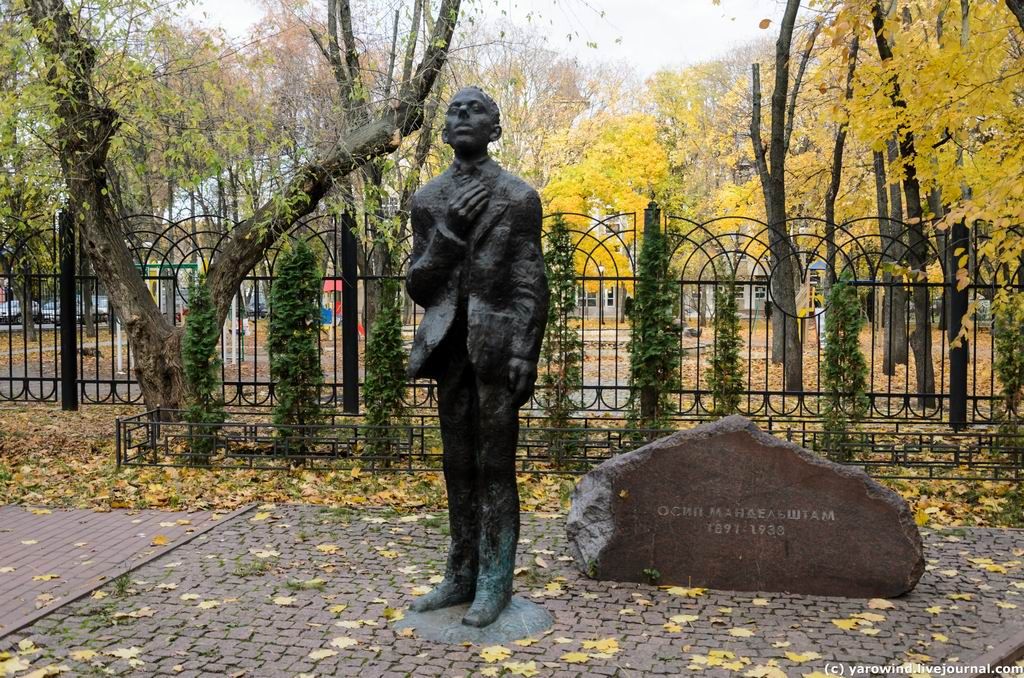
[[496, 273]]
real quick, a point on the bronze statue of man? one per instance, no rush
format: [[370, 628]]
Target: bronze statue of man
[[478, 270]]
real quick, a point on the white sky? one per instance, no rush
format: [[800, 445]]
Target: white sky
[[648, 34]]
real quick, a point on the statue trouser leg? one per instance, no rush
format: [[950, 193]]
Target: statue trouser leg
[[457, 400], [499, 503]]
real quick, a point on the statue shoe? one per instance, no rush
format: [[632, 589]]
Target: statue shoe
[[449, 592], [486, 607]]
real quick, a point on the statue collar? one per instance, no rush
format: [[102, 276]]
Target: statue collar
[[483, 169]]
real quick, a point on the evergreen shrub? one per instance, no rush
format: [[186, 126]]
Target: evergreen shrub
[[562, 351], [844, 371], [293, 342], [204, 404]]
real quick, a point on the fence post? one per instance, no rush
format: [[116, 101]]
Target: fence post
[[957, 251], [349, 316], [68, 314], [652, 220]]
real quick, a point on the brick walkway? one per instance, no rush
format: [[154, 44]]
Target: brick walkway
[[49, 556], [306, 590]]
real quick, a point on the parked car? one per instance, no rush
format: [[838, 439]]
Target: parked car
[[10, 311], [259, 309], [100, 309], [51, 310]]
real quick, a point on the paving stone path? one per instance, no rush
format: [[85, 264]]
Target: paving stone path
[[291, 590], [48, 556]]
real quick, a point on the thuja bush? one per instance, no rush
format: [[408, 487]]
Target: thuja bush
[[384, 387], [204, 405], [562, 350], [293, 341], [844, 371], [1009, 361], [725, 374], [654, 347]]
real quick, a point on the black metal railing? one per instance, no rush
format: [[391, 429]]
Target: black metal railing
[[250, 441], [906, 292]]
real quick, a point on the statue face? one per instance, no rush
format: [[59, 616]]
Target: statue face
[[468, 126]]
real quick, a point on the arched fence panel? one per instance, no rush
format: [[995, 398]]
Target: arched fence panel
[[905, 276]]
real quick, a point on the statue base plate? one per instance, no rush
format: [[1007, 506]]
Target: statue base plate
[[520, 619]]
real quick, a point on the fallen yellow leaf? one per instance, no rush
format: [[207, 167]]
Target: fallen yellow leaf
[[527, 669], [8, 667], [341, 642], [686, 592], [608, 645], [495, 653]]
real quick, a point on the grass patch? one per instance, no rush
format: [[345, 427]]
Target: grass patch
[[307, 585], [438, 523], [122, 586], [252, 568]]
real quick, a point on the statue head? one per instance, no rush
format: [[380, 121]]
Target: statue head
[[471, 122]]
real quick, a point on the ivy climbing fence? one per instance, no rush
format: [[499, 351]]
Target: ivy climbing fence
[[934, 397]]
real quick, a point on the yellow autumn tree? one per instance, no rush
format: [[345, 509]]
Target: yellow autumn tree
[[618, 168]]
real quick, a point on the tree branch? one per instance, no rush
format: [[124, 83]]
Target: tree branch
[[250, 239], [779, 140], [791, 109], [1017, 7], [755, 132], [840, 142], [410, 45]]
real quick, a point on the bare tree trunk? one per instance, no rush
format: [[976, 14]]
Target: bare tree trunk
[[786, 265], [837, 171], [894, 306], [88, 291], [1017, 7], [917, 245]]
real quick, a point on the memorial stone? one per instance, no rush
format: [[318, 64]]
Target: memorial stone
[[727, 506]]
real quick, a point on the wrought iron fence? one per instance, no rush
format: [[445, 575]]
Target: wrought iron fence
[[902, 272], [343, 442]]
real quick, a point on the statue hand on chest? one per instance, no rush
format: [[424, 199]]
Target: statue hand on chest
[[467, 203]]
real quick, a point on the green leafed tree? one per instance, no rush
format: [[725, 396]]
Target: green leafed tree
[[725, 375], [293, 341], [201, 362], [1009, 359], [844, 372], [384, 388], [85, 67], [654, 347], [562, 351]]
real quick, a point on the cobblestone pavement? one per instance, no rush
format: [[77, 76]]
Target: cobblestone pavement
[[47, 556], [292, 590]]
